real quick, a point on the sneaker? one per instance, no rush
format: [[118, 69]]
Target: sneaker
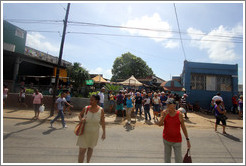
[[65, 126], [51, 125]]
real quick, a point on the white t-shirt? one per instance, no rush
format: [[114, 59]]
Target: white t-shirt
[[217, 98], [101, 94], [60, 103]]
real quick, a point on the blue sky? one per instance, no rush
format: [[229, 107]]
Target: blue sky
[[202, 26]]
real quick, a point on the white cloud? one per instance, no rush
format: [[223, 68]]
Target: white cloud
[[38, 41], [106, 72], [171, 44], [150, 22], [219, 49]]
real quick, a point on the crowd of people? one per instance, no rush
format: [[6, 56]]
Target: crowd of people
[[140, 102]]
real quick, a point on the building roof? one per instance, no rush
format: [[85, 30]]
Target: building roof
[[172, 85], [99, 79], [132, 81]]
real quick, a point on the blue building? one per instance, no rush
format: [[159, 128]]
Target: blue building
[[203, 80]]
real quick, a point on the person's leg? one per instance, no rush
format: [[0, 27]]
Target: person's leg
[[216, 123], [167, 151], [62, 118], [148, 112], [34, 107], [140, 110], [81, 156], [145, 113], [58, 116], [37, 110], [128, 114], [224, 125], [177, 152], [89, 154], [136, 110]]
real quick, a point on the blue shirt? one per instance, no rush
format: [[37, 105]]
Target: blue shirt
[[129, 103], [163, 99], [217, 111], [68, 97]]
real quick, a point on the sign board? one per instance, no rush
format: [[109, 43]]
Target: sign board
[[89, 82]]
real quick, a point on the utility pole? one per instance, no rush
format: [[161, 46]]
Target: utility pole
[[59, 61]]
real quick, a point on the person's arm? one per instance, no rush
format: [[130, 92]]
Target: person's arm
[[81, 114], [41, 98], [220, 111], [103, 124], [184, 130], [161, 121]]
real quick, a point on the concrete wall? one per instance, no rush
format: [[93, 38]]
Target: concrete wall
[[77, 102]]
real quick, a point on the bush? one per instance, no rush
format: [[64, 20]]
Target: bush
[[93, 93], [29, 91]]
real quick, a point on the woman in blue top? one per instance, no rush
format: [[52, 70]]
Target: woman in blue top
[[68, 99], [240, 105], [220, 115], [129, 105]]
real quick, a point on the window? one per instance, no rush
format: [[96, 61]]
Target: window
[[211, 82], [19, 33], [198, 82], [224, 83]]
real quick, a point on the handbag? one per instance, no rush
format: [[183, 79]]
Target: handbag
[[187, 157], [79, 128], [41, 108]]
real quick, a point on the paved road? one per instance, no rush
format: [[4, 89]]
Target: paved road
[[27, 141]]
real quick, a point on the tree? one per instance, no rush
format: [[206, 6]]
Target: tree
[[128, 65], [77, 74]]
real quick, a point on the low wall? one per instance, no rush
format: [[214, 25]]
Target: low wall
[[77, 102]]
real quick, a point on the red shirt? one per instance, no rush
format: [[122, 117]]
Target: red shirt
[[171, 131], [234, 100]]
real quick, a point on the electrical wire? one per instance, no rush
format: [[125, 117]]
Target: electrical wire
[[76, 23], [179, 31]]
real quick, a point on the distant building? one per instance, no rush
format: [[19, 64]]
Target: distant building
[[203, 80], [22, 64], [14, 38]]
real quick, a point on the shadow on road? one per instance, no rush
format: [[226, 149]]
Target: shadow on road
[[188, 121], [129, 127], [50, 130], [231, 137], [25, 123], [9, 134]]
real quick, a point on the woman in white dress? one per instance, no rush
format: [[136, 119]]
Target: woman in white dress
[[94, 117]]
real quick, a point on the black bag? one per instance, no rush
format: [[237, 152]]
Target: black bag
[[187, 157], [222, 117]]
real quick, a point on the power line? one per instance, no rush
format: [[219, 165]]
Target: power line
[[179, 32], [145, 29], [76, 23], [158, 37], [133, 36]]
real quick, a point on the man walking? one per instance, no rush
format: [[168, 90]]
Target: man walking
[[60, 102], [101, 94]]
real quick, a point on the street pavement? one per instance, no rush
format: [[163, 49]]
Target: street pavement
[[33, 141]]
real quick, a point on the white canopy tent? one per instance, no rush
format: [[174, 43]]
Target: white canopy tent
[[132, 81]]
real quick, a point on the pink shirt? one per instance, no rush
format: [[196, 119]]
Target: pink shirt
[[37, 98]]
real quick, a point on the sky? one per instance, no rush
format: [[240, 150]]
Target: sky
[[211, 32]]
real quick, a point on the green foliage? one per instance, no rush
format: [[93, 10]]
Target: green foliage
[[114, 88], [29, 91], [93, 93], [78, 75], [128, 65]]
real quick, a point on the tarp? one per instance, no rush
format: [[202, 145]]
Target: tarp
[[99, 79], [132, 81]]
